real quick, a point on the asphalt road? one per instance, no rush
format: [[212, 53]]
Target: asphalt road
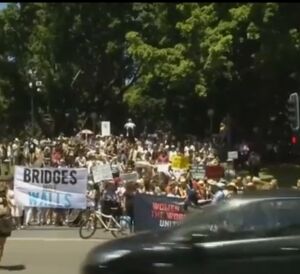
[[47, 251]]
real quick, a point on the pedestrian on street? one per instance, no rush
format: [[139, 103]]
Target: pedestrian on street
[[16, 210], [6, 224]]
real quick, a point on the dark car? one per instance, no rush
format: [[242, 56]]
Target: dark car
[[256, 233]]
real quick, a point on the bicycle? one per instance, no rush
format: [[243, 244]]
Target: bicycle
[[117, 229], [76, 216]]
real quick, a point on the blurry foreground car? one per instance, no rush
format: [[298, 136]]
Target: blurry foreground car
[[257, 233]]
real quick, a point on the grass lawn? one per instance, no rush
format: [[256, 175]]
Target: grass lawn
[[286, 174]]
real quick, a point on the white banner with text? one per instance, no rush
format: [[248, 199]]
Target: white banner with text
[[51, 187]]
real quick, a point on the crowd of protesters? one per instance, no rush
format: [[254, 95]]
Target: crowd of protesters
[[127, 154]]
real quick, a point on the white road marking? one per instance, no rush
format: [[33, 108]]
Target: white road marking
[[56, 239]]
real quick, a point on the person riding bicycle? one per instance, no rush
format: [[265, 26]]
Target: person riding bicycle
[[111, 204]]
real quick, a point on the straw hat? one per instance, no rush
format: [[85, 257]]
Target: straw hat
[[220, 185], [256, 180], [140, 181], [211, 182], [231, 185]]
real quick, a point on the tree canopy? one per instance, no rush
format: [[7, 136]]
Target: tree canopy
[[163, 64]]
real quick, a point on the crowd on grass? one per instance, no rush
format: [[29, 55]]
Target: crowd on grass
[[126, 154]]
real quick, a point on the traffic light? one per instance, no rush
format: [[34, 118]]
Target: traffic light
[[293, 111], [294, 140]]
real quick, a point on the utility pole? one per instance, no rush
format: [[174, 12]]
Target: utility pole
[[35, 86]]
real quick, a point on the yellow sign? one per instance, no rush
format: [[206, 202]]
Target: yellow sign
[[180, 162]]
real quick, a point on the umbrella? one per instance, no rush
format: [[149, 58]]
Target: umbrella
[[86, 132]]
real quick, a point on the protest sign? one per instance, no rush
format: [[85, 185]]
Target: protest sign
[[102, 173], [129, 177], [232, 155], [164, 168], [214, 172], [105, 128], [157, 212], [198, 172], [6, 171], [50, 187], [180, 162]]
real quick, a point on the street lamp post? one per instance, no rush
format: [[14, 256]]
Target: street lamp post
[[210, 114], [94, 117], [34, 85]]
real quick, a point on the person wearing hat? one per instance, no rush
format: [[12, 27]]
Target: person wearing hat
[[231, 189], [220, 194]]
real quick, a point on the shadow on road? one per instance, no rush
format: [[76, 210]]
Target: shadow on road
[[13, 267]]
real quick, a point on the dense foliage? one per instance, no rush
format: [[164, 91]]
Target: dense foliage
[[163, 64]]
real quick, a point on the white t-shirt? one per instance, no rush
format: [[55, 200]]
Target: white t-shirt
[[81, 161], [120, 191], [172, 154], [129, 125], [89, 165]]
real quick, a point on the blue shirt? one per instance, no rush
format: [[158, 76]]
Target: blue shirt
[[219, 196]]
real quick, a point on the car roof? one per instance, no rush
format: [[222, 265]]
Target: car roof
[[263, 194]]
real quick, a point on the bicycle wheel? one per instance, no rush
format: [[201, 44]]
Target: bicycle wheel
[[73, 216], [88, 228], [121, 229]]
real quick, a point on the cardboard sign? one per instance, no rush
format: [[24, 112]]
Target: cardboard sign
[[180, 162], [102, 173], [214, 172], [6, 171], [155, 213], [232, 155], [129, 177], [198, 172], [105, 128], [164, 168]]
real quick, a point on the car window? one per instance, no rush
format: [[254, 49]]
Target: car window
[[214, 223], [256, 219], [243, 221], [286, 216]]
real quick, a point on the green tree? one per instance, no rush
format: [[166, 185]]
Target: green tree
[[164, 64], [236, 58]]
